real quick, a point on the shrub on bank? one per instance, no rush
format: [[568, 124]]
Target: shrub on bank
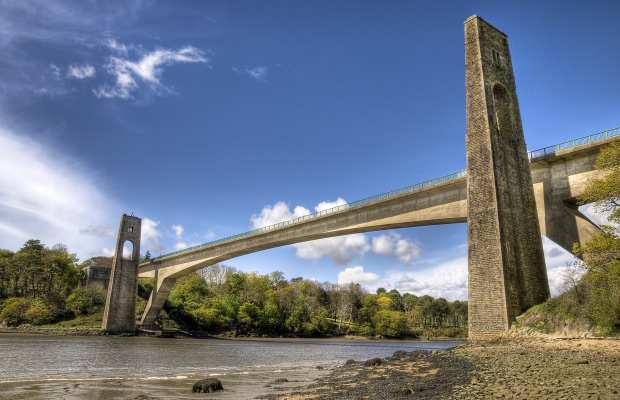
[[14, 310], [87, 299], [39, 313]]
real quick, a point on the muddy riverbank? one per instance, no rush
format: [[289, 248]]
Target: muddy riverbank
[[511, 369]]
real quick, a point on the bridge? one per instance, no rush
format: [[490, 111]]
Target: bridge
[[507, 196], [559, 173]]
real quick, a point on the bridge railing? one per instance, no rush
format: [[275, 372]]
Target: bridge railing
[[331, 210], [573, 143], [532, 155]]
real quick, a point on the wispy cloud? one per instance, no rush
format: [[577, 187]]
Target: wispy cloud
[[178, 230], [258, 73], [147, 70], [81, 71], [51, 198]]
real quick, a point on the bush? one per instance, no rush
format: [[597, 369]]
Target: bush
[[87, 299], [39, 313], [14, 310]]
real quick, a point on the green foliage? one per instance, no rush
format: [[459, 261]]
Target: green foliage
[[596, 297], [39, 313], [87, 299], [390, 323], [14, 310], [605, 192]]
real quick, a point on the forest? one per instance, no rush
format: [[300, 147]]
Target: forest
[[42, 286]]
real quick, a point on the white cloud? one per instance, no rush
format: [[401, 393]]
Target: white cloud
[[81, 71], [340, 248], [178, 230], [148, 70], [326, 205], [150, 237], [181, 246], [278, 213], [447, 280], [258, 73], [48, 197], [393, 245], [357, 275]]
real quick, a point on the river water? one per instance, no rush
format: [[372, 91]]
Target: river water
[[45, 367]]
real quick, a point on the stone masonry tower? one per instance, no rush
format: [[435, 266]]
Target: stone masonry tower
[[507, 271], [120, 307]]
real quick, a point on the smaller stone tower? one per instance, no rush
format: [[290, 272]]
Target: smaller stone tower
[[120, 307]]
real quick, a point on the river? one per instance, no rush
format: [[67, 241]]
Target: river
[[44, 367]]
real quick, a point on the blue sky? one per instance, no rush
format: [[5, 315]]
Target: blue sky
[[208, 118]]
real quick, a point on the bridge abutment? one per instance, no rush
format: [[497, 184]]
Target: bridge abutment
[[507, 271], [120, 308]]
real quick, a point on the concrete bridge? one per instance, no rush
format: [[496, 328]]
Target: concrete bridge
[[559, 176], [507, 196]]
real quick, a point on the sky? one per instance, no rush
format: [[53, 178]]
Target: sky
[[210, 118]]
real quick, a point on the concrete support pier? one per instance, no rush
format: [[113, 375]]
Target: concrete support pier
[[120, 307], [507, 271]]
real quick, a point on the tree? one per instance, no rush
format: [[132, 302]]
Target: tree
[[601, 255], [147, 256]]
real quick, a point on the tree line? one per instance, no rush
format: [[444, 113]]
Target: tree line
[[221, 299], [41, 285]]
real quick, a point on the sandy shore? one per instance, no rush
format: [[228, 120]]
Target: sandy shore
[[514, 369]]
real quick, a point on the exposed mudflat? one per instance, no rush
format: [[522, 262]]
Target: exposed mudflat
[[512, 369]]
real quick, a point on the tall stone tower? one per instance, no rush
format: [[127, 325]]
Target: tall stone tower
[[120, 307], [507, 271]]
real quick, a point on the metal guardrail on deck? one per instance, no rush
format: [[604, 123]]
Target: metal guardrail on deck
[[574, 143], [532, 155]]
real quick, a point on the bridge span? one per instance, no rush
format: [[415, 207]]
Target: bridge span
[[559, 175]]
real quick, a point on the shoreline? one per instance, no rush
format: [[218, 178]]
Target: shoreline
[[520, 368], [83, 331]]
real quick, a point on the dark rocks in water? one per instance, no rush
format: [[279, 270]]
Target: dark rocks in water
[[319, 367], [373, 362], [349, 362], [143, 397], [207, 386]]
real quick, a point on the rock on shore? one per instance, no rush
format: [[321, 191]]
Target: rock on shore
[[512, 369]]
